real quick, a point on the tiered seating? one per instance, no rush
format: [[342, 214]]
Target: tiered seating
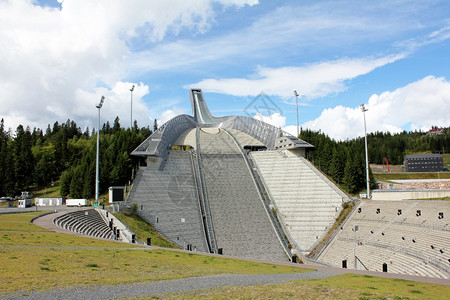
[[409, 236], [307, 202], [241, 224], [87, 222], [168, 200]]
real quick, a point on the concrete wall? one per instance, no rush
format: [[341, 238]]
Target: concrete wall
[[409, 194]]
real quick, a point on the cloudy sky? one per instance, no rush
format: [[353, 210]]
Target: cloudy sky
[[248, 56]]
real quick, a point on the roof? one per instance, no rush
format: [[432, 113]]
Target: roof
[[415, 156]]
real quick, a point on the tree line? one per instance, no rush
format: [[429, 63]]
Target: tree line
[[32, 158], [344, 161]]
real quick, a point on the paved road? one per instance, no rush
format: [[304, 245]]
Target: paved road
[[149, 289]]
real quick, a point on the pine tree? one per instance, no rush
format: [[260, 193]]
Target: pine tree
[[116, 126], [64, 182], [23, 160], [351, 177], [76, 184], [337, 165]]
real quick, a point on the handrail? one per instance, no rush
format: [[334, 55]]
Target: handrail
[[337, 230], [124, 231], [208, 219], [361, 263], [265, 201], [200, 199], [132, 187]]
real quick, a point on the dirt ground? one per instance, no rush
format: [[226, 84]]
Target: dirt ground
[[383, 168]]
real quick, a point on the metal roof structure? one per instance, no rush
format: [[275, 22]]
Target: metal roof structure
[[158, 143]]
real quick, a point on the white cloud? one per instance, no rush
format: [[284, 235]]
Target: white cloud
[[292, 129], [275, 119], [169, 114], [418, 105], [314, 80], [56, 63], [325, 26]]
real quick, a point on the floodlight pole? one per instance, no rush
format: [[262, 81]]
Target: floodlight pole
[[364, 109], [131, 118], [296, 103], [99, 106], [355, 229]]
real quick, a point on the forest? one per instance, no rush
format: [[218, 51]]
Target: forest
[[31, 159], [344, 161], [36, 159]]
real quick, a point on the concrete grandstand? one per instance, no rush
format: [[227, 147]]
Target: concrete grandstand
[[240, 187], [406, 237]]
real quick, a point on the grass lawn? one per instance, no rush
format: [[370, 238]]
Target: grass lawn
[[348, 286], [49, 192], [143, 230], [37, 259]]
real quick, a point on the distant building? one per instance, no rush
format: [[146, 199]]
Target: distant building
[[424, 163], [436, 131]]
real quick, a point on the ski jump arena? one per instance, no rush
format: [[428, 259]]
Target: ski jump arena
[[241, 187]]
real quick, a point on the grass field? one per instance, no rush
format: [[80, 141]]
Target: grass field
[[37, 259], [348, 286], [34, 258], [143, 229]]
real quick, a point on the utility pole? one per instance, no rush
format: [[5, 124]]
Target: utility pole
[[364, 109], [131, 118], [296, 104], [97, 191]]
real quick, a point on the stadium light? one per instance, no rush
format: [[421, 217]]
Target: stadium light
[[131, 119], [296, 102], [99, 106], [364, 109], [355, 229]]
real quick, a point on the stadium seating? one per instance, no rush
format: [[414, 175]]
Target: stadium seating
[[409, 236], [307, 201], [86, 222], [168, 200], [241, 224]]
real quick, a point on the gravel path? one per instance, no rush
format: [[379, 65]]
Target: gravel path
[[164, 286]]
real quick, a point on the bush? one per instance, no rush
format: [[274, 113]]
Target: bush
[[134, 207]]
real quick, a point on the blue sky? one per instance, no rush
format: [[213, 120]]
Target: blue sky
[[59, 58]]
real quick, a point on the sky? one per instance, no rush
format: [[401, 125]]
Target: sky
[[58, 58]]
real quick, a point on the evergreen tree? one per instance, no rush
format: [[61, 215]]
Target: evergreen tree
[[23, 160], [9, 175], [3, 155], [76, 184], [351, 179], [326, 155], [337, 165], [116, 126], [64, 182]]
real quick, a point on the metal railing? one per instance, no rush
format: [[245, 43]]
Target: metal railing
[[336, 231], [200, 200], [209, 230]]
